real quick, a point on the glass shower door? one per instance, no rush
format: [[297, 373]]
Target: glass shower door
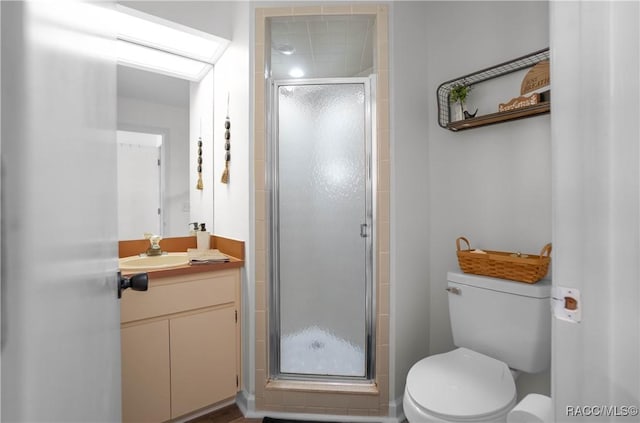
[[322, 220]]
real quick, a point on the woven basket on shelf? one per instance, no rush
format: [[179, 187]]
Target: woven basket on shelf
[[527, 268]]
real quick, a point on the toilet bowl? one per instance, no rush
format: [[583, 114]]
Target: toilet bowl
[[497, 325], [459, 386]]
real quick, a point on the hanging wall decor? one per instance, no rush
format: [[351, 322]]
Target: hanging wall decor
[[227, 146], [200, 185]]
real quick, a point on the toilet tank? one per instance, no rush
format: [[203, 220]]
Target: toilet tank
[[506, 320]]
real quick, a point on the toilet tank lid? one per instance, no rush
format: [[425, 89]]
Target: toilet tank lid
[[540, 289]]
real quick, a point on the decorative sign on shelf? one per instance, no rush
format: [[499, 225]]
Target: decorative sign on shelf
[[519, 102], [535, 81]]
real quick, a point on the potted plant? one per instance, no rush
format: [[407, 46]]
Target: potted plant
[[458, 94]]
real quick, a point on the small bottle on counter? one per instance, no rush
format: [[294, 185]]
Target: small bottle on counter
[[203, 238]]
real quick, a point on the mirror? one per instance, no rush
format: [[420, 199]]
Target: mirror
[[153, 154]]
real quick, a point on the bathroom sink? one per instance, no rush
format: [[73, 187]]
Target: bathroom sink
[[165, 261]]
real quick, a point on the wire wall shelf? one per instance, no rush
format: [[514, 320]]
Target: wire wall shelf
[[444, 105]]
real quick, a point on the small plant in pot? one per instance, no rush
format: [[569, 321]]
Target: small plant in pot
[[458, 94]]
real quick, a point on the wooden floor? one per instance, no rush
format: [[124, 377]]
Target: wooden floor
[[229, 414]]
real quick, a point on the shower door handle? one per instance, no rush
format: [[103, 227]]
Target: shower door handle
[[363, 230]]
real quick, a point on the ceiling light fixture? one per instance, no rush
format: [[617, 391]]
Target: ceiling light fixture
[[150, 59], [152, 37], [286, 49], [296, 73]]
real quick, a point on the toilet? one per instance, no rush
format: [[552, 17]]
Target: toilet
[[501, 328]]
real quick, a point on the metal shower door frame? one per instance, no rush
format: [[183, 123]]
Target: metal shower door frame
[[273, 228]]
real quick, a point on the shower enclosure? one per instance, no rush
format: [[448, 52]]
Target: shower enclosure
[[321, 240]]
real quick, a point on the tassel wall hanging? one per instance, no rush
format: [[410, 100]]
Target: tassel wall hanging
[[227, 146], [200, 185]]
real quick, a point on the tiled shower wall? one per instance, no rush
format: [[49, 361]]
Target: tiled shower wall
[[297, 398]]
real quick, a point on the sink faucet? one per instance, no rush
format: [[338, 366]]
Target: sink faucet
[[154, 249]]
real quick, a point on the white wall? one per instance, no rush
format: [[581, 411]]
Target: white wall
[[489, 184], [410, 257], [1, 196], [231, 81], [233, 211], [214, 17], [201, 128], [596, 192]]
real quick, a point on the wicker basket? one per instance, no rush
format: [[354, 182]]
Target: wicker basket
[[513, 266]]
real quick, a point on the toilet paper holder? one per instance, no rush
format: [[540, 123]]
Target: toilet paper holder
[[566, 304]]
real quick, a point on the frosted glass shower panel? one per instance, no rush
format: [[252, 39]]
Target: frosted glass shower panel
[[322, 195]]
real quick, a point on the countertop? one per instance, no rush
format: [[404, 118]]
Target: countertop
[[231, 247]]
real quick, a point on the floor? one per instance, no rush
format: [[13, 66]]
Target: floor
[[229, 414]]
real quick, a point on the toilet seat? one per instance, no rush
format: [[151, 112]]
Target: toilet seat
[[461, 385]]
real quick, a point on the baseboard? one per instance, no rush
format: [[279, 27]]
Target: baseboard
[[396, 410], [246, 402], [322, 417]]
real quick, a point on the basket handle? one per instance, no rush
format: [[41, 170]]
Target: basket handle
[[465, 240], [546, 251]]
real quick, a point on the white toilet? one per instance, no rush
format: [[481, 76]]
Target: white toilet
[[501, 327]]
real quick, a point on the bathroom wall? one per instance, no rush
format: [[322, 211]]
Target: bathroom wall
[[231, 82], [491, 184], [410, 259], [201, 129], [232, 201], [0, 207], [596, 216], [214, 17]]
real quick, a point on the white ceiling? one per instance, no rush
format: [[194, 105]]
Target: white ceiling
[[325, 46], [329, 46]]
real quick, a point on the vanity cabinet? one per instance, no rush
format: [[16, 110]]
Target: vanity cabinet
[[203, 358], [146, 380], [180, 345]]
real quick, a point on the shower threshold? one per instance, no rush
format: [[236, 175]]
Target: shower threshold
[[367, 387]]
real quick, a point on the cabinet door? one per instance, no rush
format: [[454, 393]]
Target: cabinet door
[[146, 395], [203, 359]]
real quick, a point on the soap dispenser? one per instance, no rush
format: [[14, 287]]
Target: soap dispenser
[[203, 238], [193, 231]]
